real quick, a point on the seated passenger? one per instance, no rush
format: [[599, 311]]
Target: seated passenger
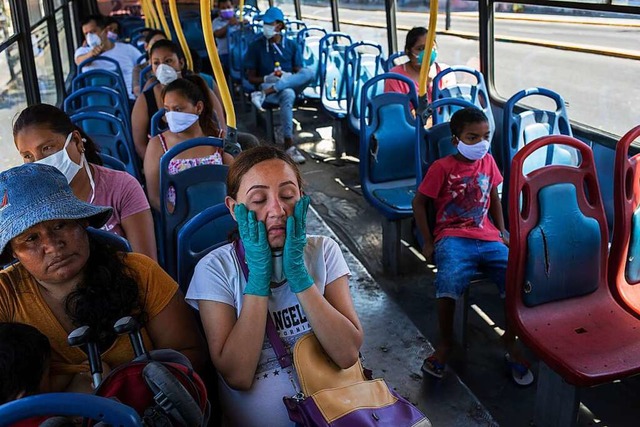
[[168, 64], [462, 189], [24, 361], [189, 113], [300, 281], [93, 27], [223, 26], [45, 134], [414, 49], [149, 40], [278, 87], [64, 279], [113, 28]]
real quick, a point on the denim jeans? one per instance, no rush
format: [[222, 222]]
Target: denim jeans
[[458, 259], [286, 91]]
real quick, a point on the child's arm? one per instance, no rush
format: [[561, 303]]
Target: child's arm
[[495, 210], [420, 208]]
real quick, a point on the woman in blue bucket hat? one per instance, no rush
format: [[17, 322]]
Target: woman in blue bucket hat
[[64, 279]]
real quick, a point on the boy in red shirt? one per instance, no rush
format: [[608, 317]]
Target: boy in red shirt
[[463, 190]]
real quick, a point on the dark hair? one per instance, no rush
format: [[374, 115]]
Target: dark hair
[[57, 121], [195, 89], [168, 44], [111, 20], [465, 116], [251, 157], [219, 2], [98, 19], [108, 291], [412, 37], [152, 33], [24, 354]]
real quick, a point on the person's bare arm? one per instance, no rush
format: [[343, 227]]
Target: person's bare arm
[[140, 126], [152, 172], [140, 233], [93, 52]]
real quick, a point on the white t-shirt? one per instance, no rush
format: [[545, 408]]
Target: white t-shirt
[[218, 277], [125, 54], [222, 43]]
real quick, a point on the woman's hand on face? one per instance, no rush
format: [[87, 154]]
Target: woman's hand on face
[[293, 255], [253, 234]]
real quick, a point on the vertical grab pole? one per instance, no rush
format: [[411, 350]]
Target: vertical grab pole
[[163, 19], [154, 15], [175, 18], [231, 139], [424, 69], [147, 18]]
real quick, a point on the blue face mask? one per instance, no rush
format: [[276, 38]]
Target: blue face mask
[[434, 55]]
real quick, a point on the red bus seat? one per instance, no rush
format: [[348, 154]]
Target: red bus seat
[[557, 292], [624, 258]]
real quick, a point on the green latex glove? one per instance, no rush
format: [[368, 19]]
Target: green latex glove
[[253, 234], [293, 254]]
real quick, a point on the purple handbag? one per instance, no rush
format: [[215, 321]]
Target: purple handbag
[[332, 396]]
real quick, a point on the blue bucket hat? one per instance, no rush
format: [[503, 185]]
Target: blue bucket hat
[[34, 193], [272, 15]]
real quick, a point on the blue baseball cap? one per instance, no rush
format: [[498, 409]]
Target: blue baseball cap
[[34, 193], [272, 15]]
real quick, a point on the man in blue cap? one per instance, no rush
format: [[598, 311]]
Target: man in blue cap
[[278, 86]]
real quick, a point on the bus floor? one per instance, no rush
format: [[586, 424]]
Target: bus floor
[[398, 313]]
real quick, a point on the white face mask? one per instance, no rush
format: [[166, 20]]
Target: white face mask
[[269, 31], [166, 74], [68, 167], [179, 121], [475, 151], [93, 40], [277, 276], [112, 36]]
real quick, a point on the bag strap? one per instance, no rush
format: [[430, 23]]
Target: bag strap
[[284, 359]]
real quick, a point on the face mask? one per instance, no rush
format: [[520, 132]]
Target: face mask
[[475, 151], [277, 276], [269, 31], [112, 36], [179, 121], [63, 162], [227, 13], [166, 74], [93, 40], [434, 55]]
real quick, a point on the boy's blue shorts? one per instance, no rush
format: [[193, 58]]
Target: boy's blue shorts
[[458, 259]]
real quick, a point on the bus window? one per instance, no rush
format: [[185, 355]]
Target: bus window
[[62, 41], [6, 23], [587, 57], [286, 6], [12, 101], [35, 9], [316, 14], [44, 64]]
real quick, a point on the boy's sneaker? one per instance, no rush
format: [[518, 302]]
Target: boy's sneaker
[[257, 99], [295, 155]]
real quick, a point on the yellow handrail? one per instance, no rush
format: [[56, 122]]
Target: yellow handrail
[[154, 15], [163, 19], [145, 11], [431, 36], [212, 50], [175, 18]]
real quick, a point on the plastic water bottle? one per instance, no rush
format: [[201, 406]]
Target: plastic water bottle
[[277, 70]]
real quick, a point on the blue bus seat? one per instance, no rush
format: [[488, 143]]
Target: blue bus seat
[[157, 124], [519, 129], [112, 163], [70, 404], [109, 64], [196, 189], [116, 142], [200, 235], [393, 60], [145, 74], [309, 42], [624, 257], [101, 78], [363, 61], [388, 137], [292, 28], [557, 293], [108, 238], [192, 30], [333, 94], [98, 98], [474, 93]]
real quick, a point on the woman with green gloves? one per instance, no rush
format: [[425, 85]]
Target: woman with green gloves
[[300, 281]]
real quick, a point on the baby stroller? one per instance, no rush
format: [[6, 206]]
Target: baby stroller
[[160, 385]]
